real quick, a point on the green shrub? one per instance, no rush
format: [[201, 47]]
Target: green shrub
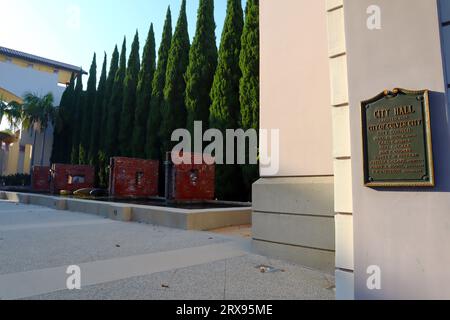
[[16, 180]]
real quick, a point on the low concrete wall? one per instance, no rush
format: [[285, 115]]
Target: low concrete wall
[[172, 218], [92, 207], [200, 220], [219, 218], [50, 202], [15, 197], [192, 219]]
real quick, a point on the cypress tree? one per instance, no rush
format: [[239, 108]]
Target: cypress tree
[[78, 102], [225, 108], [153, 143], [69, 122], [62, 137], [87, 111], [174, 108], [144, 91], [129, 99], [97, 117], [57, 131], [249, 85], [115, 107], [202, 65], [102, 156], [113, 67]]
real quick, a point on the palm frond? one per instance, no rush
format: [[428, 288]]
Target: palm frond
[[38, 111]]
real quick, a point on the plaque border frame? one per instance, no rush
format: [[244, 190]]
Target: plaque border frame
[[431, 182]]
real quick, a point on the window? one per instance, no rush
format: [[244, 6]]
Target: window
[[193, 177], [75, 179], [139, 179]]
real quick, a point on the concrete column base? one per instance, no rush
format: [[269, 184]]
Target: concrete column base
[[293, 219]]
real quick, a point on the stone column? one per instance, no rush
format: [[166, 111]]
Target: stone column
[[293, 214], [405, 233], [343, 200]]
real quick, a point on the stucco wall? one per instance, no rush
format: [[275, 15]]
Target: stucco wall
[[293, 215], [295, 95], [19, 80], [27, 138], [404, 232], [445, 19]]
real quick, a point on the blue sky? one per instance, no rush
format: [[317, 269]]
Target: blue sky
[[72, 30]]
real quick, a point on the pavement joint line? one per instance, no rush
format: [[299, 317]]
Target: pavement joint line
[[78, 223], [38, 282], [27, 210]]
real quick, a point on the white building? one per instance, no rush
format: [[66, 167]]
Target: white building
[[21, 73], [319, 61]]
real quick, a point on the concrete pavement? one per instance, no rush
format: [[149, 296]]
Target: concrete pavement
[[121, 260]]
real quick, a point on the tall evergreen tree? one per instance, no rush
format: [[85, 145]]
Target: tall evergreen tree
[[115, 106], [57, 132], [153, 142], [87, 111], [113, 67], [174, 108], [102, 156], [97, 117], [129, 100], [202, 65], [144, 92], [62, 137], [225, 108], [78, 103], [249, 85]]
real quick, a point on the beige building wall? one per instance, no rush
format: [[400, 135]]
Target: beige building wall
[[404, 232], [445, 34], [295, 94], [13, 159], [17, 80], [27, 159], [294, 209], [319, 190]]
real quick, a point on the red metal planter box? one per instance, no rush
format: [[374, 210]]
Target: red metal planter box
[[133, 178], [71, 177], [40, 179], [190, 182]]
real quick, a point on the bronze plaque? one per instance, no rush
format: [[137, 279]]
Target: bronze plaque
[[397, 144]]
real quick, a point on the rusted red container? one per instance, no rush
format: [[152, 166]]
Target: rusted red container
[[40, 179], [136, 178], [71, 177], [190, 181]]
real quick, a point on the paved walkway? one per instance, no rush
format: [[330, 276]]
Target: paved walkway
[[137, 261]]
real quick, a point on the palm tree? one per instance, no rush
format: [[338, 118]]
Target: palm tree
[[13, 113], [38, 112]]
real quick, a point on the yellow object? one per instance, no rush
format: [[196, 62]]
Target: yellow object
[[65, 193], [83, 192]]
